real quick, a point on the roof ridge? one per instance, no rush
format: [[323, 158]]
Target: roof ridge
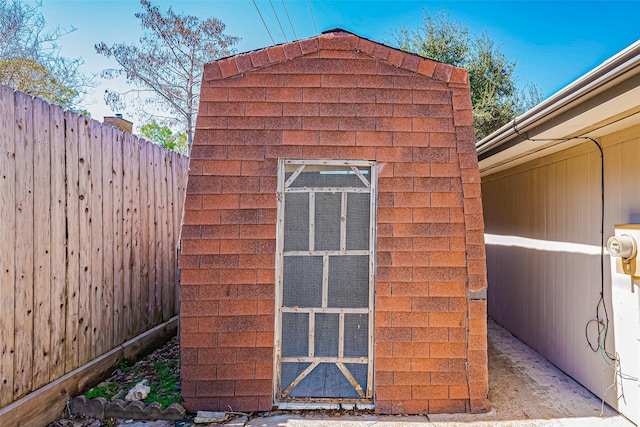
[[333, 39]]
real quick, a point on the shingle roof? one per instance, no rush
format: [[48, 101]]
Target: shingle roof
[[335, 39]]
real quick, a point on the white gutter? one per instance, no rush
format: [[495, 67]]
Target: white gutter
[[595, 79]]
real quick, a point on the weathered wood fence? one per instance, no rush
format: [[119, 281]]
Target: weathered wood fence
[[89, 224]]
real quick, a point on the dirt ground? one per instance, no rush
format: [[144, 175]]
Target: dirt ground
[[524, 390], [525, 386]]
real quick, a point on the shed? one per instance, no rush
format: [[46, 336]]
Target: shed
[[557, 183], [332, 246]]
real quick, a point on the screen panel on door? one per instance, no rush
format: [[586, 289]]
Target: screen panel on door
[[325, 269]]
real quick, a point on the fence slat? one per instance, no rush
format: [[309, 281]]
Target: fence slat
[[127, 235], [175, 230], [171, 246], [106, 299], [166, 293], [159, 212], [58, 239], [73, 243], [179, 177], [180, 183], [152, 264], [41, 243], [143, 226], [95, 297], [7, 242], [23, 362], [136, 306], [85, 209], [118, 242]]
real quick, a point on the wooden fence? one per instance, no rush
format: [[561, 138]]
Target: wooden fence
[[89, 224]]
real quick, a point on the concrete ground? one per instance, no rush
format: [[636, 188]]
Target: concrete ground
[[524, 390]]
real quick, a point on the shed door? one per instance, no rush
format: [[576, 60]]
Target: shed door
[[324, 324]]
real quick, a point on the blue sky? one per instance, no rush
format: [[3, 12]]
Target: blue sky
[[553, 42]]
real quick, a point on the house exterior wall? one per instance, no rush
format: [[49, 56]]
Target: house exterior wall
[[336, 96], [118, 122], [544, 291]]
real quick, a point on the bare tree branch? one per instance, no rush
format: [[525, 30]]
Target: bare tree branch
[[168, 61]]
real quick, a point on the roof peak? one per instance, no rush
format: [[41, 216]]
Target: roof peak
[[333, 39], [338, 30]]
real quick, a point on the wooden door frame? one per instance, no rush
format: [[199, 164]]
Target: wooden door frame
[[371, 252]]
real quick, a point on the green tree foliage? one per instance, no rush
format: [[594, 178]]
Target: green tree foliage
[[165, 68], [30, 59], [162, 135], [35, 79], [495, 96]]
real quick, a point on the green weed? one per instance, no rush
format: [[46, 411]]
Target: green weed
[[106, 391], [161, 370]]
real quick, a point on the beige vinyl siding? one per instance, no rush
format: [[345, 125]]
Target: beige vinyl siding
[[544, 297]]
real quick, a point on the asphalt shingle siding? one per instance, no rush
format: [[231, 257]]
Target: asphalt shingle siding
[[336, 96]]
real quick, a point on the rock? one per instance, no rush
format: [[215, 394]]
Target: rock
[[237, 422], [174, 411], [159, 423], [135, 410], [203, 417], [93, 408], [153, 411], [139, 392], [116, 409]]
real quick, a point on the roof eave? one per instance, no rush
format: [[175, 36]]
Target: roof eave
[[587, 85]]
